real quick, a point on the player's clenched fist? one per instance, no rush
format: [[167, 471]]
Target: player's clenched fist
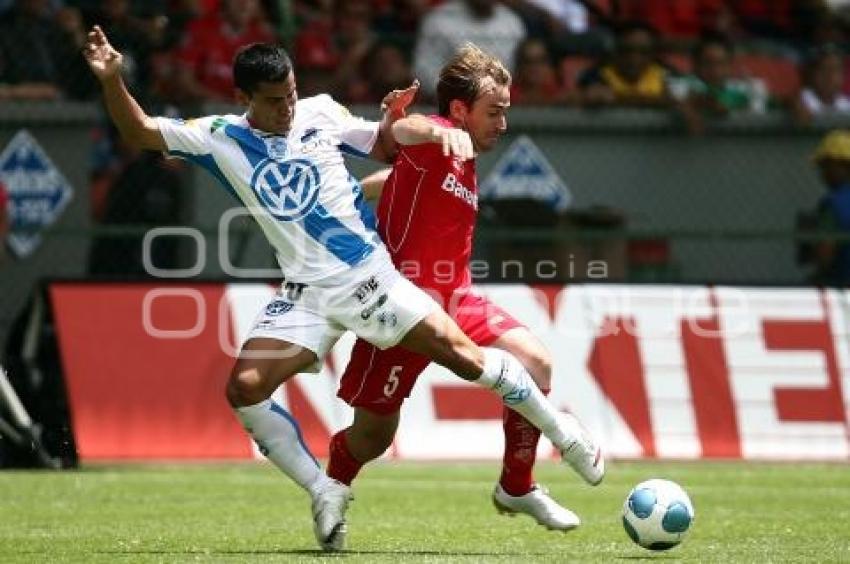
[[105, 61], [454, 141]]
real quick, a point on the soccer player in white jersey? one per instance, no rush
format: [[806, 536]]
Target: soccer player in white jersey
[[283, 159]]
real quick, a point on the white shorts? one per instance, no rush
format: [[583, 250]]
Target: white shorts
[[373, 300]]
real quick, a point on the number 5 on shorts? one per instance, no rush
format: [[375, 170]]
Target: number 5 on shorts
[[392, 381]]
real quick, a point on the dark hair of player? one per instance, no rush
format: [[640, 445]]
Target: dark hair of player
[[260, 62]]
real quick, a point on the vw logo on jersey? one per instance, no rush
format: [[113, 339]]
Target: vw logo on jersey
[[288, 189]]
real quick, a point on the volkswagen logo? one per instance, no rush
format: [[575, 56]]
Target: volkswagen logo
[[288, 189]]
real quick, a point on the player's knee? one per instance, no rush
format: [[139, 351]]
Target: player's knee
[[245, 387], [539, 365], [463, 358], [439, 338]]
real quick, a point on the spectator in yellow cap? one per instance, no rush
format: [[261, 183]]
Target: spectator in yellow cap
[[832, 257]]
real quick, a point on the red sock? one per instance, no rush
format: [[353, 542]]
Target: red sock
[[521, 439], [342, 466]]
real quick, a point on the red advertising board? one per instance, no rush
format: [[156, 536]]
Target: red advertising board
[[654, 371]]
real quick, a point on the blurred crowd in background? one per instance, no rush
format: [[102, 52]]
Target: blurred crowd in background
[[713, 56], [701, 58]]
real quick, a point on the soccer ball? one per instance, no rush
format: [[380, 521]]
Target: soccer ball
[[657, 514]]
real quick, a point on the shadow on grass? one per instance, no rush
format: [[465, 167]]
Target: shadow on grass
[[649, 556], [321, 554]]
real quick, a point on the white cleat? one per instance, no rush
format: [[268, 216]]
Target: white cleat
[[329, 507], [538, 504], [581, 452]]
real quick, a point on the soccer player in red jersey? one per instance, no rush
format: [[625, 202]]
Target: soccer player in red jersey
[[426, 217]]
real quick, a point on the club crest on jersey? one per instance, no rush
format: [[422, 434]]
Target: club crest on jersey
[[276, 147], [278, 307], [288, 189]]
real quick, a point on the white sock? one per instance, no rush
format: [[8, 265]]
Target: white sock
[[506, 376], [279, 438]]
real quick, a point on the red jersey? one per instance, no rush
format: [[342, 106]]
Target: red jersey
[[427, 214], [209, 47], [674, 18]]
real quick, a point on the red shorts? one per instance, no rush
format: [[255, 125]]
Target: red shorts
[[380, 380]]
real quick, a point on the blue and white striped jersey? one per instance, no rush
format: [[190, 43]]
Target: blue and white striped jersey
[[296, 186]]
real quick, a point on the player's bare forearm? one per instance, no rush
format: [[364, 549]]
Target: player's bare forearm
[[386, 147], [373, 184], [106, 63], [415, 129], [394, 107], [135, 126]]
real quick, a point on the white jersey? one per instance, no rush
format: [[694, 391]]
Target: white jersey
[[296, 186]]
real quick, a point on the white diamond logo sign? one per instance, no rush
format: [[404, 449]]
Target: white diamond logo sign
[[524, 172], [38, 191]]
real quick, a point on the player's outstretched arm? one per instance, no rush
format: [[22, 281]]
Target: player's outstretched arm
[[373, 184], [394, 106], [136, 127], [417, 129]]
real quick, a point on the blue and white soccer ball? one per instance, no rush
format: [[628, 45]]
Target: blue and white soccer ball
[[657, 514]]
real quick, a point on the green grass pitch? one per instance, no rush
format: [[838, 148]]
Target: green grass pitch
[[411, 512]]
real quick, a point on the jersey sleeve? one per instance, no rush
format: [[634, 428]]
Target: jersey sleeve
[[190, 137], [356, 135], [424, 155]]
